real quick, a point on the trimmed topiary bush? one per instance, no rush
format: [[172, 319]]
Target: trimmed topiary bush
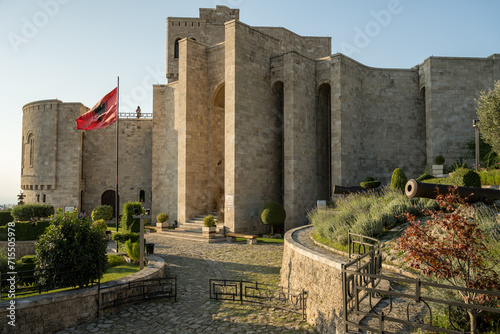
[[128, 222], [5, 218], [370, 183], [464, 177], [102, 212], [272, 213], [399, 179], [74, 244], [100, 225], [423, 177], [439, 160], [32, 212], [209, 221], [162, 217]]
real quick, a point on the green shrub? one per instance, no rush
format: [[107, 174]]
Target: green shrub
[[4, 261], [72, 243], [490, 177], [5, 217], [272, 213], [104, 212], [399, 179], [439, 160], [32, 212], [26, 230], [129, 223], [115, 260], [461, 177], [425, 176], [162, 217], [133, 250], [122, 237], [370, 184], [100, 225], [368, 179], [27, 266], [209, 221], [464, 177]]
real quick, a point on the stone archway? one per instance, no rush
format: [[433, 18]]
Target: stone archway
[[108, 198], [324, 143], [217, 152]]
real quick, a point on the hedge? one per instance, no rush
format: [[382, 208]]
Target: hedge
[[461, 177], [128, 222], [26, 230], [32, 212], [5, 217]]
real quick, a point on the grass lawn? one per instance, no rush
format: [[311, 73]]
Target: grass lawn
[[265, 240], [112, 273]]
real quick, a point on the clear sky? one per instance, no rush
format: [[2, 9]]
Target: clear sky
[[73, 50]]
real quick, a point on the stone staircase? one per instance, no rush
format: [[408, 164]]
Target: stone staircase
[[192, 230]]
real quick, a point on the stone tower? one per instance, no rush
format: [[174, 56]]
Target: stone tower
[[51, 164]]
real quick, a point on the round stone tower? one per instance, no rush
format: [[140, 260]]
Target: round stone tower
[[51, 153]]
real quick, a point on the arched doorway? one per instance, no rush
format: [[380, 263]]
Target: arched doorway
[[323, 140], [108, 198]]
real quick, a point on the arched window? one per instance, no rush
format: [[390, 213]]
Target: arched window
[[31, 149], [142, 196], [176, 48], [38, 198], [44, 198]]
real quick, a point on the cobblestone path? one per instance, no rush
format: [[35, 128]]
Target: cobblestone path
[[194, 264]]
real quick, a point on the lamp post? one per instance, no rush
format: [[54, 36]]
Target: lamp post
[[475, 125]]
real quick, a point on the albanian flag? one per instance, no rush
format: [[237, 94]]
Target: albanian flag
[[101, 115]]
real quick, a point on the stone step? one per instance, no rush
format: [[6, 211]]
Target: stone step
[[192, 236]]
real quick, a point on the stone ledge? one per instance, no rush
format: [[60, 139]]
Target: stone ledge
[[43, 313], [310, 253]]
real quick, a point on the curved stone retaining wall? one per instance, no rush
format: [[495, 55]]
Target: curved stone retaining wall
[[320, 276], [53, 312]]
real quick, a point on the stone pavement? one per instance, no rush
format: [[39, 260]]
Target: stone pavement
[[194, 264]]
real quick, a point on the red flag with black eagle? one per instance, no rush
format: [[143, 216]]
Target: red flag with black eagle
[[101, 115]]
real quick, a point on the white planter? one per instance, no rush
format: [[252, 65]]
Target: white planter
[[209, 232]]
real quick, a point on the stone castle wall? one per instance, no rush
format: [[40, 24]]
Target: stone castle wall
[[252, 169], [450, 86], [135, 159], [165, 147], [208, 29], [377, 122]]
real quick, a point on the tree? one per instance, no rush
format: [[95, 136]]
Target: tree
[[453, 248], [488, 112], [272, 213], [72, 251]]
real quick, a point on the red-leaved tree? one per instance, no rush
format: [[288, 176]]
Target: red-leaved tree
[[451, 247]]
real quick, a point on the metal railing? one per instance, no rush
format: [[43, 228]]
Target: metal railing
[[37, 281], [134, 115], [257, 293], [361, 278], [136, 291]]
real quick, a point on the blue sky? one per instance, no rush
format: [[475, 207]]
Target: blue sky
[[73, 50]]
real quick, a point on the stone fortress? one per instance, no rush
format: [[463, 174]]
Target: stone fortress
[[250, 115]]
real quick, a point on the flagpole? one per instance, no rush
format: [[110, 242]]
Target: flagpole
[[117, 201]]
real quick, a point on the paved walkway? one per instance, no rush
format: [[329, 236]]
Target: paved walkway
[[194, 264]]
